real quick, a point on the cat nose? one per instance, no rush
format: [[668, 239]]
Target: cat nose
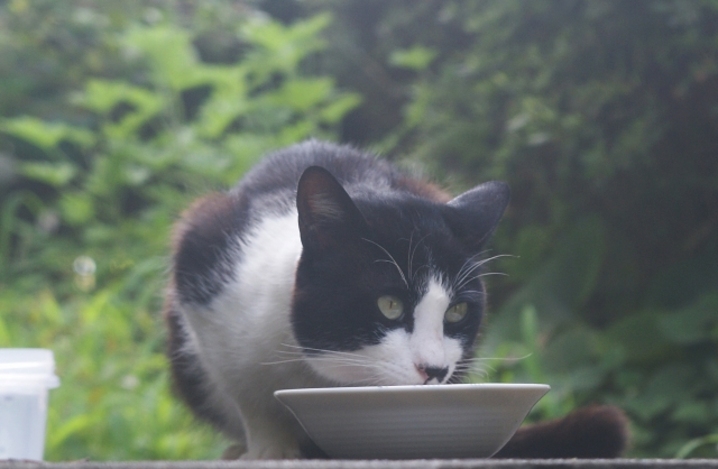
[[432, 372]]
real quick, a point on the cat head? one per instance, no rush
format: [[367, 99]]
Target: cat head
[[388, 288]]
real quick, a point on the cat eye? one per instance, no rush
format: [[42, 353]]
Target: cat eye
[[456, 313], [390, 306]]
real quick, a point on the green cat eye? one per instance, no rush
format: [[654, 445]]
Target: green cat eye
[[456, 313], [390, 306]]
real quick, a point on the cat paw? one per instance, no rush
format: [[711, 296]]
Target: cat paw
[[235, 451], [272, 451]]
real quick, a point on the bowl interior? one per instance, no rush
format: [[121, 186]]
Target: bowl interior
[[412, 422]]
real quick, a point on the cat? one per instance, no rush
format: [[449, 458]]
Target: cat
[[327, 266]]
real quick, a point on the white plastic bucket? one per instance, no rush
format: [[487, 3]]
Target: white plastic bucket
[[25, 376]]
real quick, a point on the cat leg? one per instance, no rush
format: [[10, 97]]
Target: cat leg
[[234, 451], [270, 440], [270, 431]]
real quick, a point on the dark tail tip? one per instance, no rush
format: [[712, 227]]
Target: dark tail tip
[[590, 432]]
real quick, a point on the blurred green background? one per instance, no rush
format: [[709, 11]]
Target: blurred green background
[[603, 117]]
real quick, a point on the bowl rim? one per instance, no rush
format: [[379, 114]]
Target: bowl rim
[[412, 388]]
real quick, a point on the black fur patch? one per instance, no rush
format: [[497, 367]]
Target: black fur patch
[[591, 432], [206, 247], [190, 381]]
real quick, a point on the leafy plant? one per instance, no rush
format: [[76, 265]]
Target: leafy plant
[[599, 115], [85, 232], [584, 109]]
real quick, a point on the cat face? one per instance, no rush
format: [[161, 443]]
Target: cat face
[[387, 288]]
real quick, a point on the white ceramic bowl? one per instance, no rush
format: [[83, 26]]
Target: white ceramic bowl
[[412, 422]]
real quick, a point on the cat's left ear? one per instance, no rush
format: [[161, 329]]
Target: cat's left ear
[[327, 215], [474, 215]]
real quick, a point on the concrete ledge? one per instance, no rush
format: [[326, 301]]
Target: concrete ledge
[[378, 464]]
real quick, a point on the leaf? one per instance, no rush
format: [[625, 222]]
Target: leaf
[[692, 324], [4, 334], [560, 287], [45, 135], [338, 107], [76, 425], [689, 448], [227, 102], [303, 94], [55, 174], [282, 48], [638, 338], [171, 55], [76, 208], [693, 412], [105, 95], [666, 388], [415, 58], [572, 348]]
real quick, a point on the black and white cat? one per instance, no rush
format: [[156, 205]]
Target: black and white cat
[[325, 267]]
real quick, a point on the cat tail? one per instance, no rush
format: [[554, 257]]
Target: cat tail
[[590, 432]]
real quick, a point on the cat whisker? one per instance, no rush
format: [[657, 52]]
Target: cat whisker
[[282, 362], [319, 350], [475, 369], [339, 358], [474, 366], [481, 366], [470, 266], [424, 266], [485, 274], [392, 260], [497, 359], [284, 344], [472, 278], [409, 258], [473, 292], [381, 368], [471, 263], [358, 359], [342, 360], [374, 377], [412, 253], [339, 364], [332, 362]]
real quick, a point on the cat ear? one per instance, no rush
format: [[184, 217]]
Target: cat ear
[[474, 215], [327, 215]]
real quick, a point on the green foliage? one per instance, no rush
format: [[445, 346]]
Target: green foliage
[[86, 220], [600, 115], [583, 108], [655, 363]]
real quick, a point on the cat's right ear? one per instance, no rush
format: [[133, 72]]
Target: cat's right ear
[[475, 214], [327, 215]]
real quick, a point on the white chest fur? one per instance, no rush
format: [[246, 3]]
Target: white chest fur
[[244, 337]]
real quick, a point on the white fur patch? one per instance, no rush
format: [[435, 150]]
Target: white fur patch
[[245, 339], [427, 344]]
